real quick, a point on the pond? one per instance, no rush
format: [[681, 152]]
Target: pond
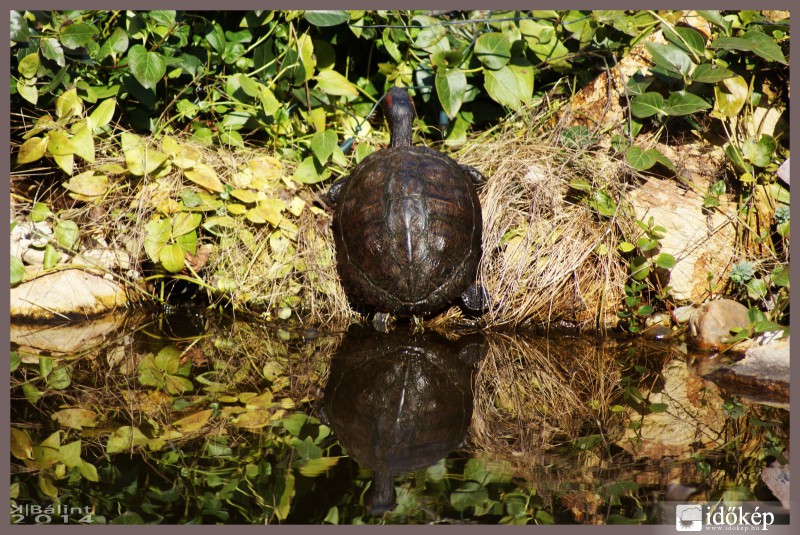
[[189, 417]]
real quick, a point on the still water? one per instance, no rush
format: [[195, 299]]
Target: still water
[[190, 418]]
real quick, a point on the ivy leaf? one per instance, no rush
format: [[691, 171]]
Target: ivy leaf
[[306, 172], [451, 86], [51, 49], [171, 257], [765, 46], [670, 57], [731, 95], [102, 114], [493, 49], [510, 86], [759, 152], [322, 145], [29, 65], [326, 18], [694, 40], [639, 159], [28, 92], [19, 27], [647, 104], [683, 103], [185, 222], [78, 35], [710, 74], [331, 82], [205, 176], [32, 150], [17, 270], [147, 67], [67, 234], [87, 184]]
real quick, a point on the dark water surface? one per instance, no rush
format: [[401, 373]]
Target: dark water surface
[[188, 418]]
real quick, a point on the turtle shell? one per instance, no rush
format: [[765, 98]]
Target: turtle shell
[[407, 228], [400, 401]]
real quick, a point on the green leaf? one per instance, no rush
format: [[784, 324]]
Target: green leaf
[[734, 154], [40, 212], [68, 104], [17, 270], [117, 43], [147, 67], [326, 18], [683, 103], [51, 49], [83, 142], [171, 257], [670, 58], [60, 378], [67, 234], [32, 150], [331, 82], [759, 152], [28, 92], [731, 95], [125, 438], [765, 46], [306, 172], [78, 35], [658, 407], [185, 222], [156, 237], [19, 27], [29, 65], [510, 86], [756, 288], [640, 268], [714, 16], [51, 256], [639, 159], [318, 466], [323, 144], [140, 158], [647, 104], [644, 310], [451, 86], [493, 49], [710, 74], [686, 39], [102, 114], [626, 247], [666, 261]]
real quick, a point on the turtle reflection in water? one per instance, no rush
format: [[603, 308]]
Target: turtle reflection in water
[[400, 401]]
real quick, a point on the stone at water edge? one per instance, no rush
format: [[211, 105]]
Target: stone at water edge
[[711, 324], [783, 171]]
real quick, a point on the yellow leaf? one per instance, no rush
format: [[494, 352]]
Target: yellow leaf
[[84, 143], [205, 177], [69, 104], [194, 421], [296, 206], [32, 150], [75, 418], [266, 167], [271, 210], [263, 401], [254, 419], [87, 184], [58, 144], [21, 446], [65, 162]]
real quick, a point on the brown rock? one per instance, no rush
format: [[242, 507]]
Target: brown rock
[[711, 324]]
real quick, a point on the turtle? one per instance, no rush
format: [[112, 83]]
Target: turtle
[[407, 225], [399, 401]]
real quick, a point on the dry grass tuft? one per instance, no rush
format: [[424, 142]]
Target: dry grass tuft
[[546, 257]]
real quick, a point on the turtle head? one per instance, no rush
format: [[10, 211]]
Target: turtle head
[[399, 110]]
